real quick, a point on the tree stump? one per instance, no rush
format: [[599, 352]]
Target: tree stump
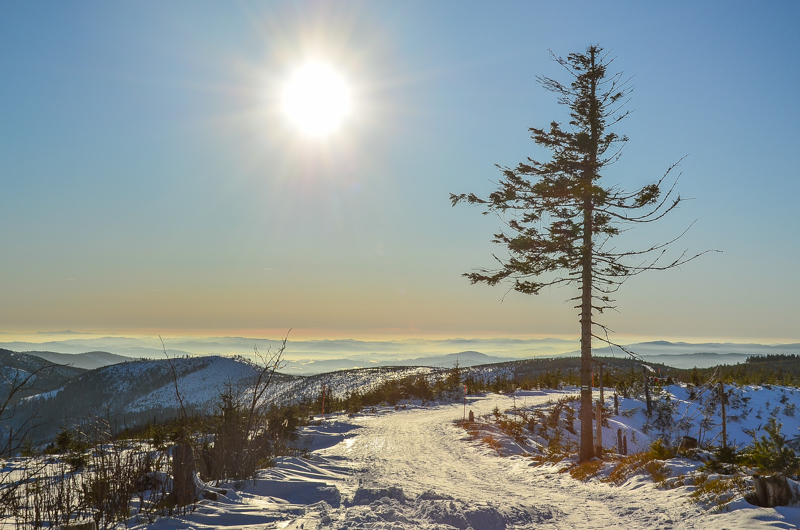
[[471, 416], [772, 491], [184, 490]]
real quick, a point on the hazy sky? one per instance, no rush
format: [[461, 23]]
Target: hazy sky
[[148, 183]]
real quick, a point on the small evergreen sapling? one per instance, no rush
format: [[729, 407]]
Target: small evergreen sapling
[[771, 454]]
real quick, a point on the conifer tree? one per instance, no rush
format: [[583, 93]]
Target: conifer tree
[[559, 217], [773, 455]]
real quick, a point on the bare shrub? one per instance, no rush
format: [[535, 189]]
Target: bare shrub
[[245, 429], [118, 481], [14, 431], [96, 476], [235, 450]]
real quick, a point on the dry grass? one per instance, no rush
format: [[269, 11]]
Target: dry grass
[[538, 459], [478, 431], [657, 471], [492, 442], [472, 427], [586, 470], [638, 463], [720, 492]]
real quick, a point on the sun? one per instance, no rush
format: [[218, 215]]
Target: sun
[[316, 99]]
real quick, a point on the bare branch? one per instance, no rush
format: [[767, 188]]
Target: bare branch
[[268, 364], [13, 433], [178, 395]]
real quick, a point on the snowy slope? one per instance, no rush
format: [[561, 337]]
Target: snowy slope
[[138, 390], [199, 386], [748, 410], [132, 391], [414, 468], [344, 382], [16, 367]]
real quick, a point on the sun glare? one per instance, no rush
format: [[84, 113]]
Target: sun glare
[[316, 99]]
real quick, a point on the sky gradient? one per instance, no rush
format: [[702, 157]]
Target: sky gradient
[[149, 184]]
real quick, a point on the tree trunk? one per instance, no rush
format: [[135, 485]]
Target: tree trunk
[[586, 450], [724, 423], [184, 491]]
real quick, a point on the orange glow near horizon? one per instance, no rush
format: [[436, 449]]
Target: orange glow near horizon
[[376, 335]]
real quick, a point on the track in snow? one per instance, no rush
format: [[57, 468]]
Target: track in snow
[[415, 469], [421, 450]]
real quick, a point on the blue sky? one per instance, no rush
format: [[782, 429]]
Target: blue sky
[[149, 184]]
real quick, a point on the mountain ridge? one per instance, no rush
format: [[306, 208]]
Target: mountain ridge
[[87, 360]]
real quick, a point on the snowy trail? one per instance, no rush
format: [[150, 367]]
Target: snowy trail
[[414, 469], [421, 450]]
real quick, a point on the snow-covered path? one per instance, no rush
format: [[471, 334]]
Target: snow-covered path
[[414, 469], [421, 450]]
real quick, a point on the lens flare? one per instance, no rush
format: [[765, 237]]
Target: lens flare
[[316, 99]]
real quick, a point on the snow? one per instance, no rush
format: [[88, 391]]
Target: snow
[[44, 395], [415, 468], [340, 384], [748, 410], [200, 381]]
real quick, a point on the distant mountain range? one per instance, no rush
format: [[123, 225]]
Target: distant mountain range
[[307, 357], [689, 355], [699, 360], [464, 358], [135, 391], [89, 360], [98, 359], [328, 356], [362, 351], [15, 367], [682, 348]]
